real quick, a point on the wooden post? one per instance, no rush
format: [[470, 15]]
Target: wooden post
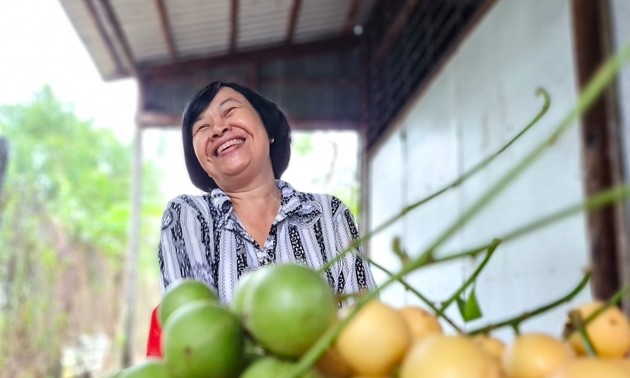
[[600, 149], [131, 276], [4, 160]]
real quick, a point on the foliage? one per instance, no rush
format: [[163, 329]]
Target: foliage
[[65, 210]]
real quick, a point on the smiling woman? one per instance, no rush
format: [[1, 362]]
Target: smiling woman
[[237, 146]]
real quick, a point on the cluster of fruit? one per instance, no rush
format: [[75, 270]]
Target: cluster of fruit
[[382, 341], [280, 312]]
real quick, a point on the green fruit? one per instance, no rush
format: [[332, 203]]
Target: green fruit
[[203, 339], [290, 307], [243, 291], [272, 367], [182, 292], [146, 369]]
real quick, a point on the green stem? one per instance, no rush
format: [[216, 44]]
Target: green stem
[[592, 91], [420, 296], [594, 202], [458, 181], [577, 323], [516, 321], [493, 246]]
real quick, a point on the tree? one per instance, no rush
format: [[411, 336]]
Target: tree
[[65, 214]]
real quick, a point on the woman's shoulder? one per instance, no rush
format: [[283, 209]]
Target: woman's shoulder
[[327, 201], [189, 201]]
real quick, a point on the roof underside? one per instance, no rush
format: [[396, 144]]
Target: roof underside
[[300, 53], [125, 36]]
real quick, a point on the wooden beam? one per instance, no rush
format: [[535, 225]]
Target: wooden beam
[[599, 152], [167, 30], [247, 57], [120, 35], [351, 18], [393, 32], [295, 14], [113, 53], [233, 26]]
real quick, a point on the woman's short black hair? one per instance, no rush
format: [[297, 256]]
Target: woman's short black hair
[[273, 118]]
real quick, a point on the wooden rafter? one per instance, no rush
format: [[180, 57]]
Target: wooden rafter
[[317, 47], [105, 36], [167, 31], [233, 26], [120, 35], [351, 18], [395, 29], [295, 13]]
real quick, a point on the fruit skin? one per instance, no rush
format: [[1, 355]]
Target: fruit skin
[[273, 367], [492, 346], [420, 321], [446, 356], [203, 339], [146, 369], [375, 340], [180, 293], [243, 291], [290, 307], [535, 355], [590, 368], [609, 332]]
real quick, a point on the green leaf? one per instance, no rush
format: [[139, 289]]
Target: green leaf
[[469, 308]]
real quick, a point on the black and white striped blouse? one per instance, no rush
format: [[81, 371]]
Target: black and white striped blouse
[[203, 239]]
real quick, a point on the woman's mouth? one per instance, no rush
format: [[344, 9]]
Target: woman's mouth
[[232, 142]]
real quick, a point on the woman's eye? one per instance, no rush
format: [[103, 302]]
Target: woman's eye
[[229, 110], [200, 128]]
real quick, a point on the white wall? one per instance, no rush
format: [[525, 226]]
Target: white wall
[[482, 97]]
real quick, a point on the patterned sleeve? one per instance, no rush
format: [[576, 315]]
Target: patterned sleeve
[[182, 247], [355, 274]]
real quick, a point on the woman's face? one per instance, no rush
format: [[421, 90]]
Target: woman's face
[[231, 143]]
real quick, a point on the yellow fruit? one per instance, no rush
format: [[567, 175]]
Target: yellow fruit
[[420, 321], [332, 365], [492, 346], [443, 356], [535, 355], [609, 332], [375, 340], [622, 363], [590, 368]]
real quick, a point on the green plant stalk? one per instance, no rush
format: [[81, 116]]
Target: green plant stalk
[[593, 90], [419, 295], [517, 320], [594, 202], [458, 181], [493, 246], [576, 322]]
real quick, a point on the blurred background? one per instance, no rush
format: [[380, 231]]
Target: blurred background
[[389, 100]]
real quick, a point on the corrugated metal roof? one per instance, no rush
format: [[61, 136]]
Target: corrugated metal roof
[[124, 36]]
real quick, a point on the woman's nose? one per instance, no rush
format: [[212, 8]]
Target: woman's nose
[[219, 129]]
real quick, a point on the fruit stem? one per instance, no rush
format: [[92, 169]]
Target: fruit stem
[[576, 323], [516, 321], [458, 181], [493, 246], [420, 296]]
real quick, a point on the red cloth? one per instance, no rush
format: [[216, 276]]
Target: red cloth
[[154, 342]]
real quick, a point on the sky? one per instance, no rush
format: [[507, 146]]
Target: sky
[[39, 46]]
